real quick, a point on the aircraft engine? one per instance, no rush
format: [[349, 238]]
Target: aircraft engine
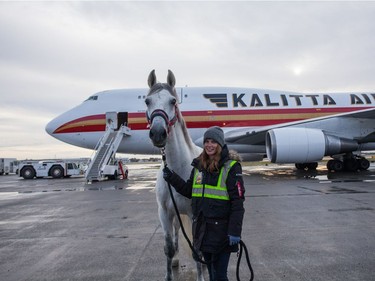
[[303, 145]]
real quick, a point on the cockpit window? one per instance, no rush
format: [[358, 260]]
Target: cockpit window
[[92, 98]]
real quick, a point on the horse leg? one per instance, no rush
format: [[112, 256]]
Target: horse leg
[[186, 221], [200, 276], [169, 248], [176, 226], [169, 252]]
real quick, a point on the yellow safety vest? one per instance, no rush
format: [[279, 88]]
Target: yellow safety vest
[[211, 191]]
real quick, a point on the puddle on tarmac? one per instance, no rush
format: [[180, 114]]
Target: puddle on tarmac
[[8, 195]]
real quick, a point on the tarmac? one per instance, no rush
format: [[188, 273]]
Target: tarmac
[[298, 226]]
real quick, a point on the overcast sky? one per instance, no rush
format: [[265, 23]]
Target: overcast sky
[[53, 55]]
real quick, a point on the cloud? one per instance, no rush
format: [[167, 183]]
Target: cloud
[[55, 54]]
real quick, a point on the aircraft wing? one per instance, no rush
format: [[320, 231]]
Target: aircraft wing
[[256, 136]]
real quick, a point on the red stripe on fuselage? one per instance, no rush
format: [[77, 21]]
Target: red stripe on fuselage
[[205, 119]]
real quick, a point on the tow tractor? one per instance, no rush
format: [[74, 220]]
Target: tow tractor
[[55, 169]]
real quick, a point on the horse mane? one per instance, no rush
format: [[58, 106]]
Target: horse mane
[[164, 86]]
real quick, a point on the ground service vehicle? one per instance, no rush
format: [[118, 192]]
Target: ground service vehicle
[[55, 169], [114, 169], [7, 166]]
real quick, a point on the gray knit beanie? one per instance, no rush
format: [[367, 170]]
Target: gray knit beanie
[[215, 133]]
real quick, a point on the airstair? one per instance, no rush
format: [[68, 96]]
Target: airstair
[[107, 146]]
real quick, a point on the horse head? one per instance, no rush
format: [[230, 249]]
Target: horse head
[[162, 111]]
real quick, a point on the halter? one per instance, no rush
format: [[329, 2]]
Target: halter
[[164, 115]]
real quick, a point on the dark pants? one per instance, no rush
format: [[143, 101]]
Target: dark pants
[[218, 265]]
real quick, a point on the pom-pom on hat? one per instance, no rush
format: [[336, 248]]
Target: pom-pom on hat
[[215, 133]]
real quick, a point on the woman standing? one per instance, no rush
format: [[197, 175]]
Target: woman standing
[[216, 188]]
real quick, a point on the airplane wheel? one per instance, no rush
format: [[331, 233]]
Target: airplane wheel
[[363, 164], [57, 172], [300, 166], [329, 165], [28, 173], [351, 164], [308, 166], [113, 177], [338, 165], [312, 166]]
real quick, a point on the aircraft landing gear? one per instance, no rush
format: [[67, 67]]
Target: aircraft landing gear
[[351, 163], [307, 166], [335, 165]]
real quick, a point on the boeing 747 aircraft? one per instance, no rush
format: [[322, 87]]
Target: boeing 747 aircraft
[[287, 127]]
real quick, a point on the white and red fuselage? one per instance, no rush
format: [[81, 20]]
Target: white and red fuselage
[[244, 114]]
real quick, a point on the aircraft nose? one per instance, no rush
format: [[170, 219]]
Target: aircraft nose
[[51, 127]]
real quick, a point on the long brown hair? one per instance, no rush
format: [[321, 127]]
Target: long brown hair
[[210, 165]]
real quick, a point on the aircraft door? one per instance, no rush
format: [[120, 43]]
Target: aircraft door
[[114, 120], [122, 119], [111, 120]]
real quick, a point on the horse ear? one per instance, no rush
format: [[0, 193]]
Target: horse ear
[[151, 78], [171, 79]]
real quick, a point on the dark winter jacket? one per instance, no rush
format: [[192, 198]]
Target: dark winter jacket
[[213, 219]]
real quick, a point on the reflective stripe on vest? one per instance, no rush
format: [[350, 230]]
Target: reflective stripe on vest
[[211, 191]]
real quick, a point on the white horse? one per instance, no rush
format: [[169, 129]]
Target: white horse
[[168, 131]]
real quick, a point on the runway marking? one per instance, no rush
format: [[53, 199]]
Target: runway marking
[[333, 190]]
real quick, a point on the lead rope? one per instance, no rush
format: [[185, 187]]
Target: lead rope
[[196, 255]]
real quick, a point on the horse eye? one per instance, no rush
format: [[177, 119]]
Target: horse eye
[[147, 101], [173, 101]]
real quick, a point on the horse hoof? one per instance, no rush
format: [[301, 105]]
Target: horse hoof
[[175, 262], [168, 278]]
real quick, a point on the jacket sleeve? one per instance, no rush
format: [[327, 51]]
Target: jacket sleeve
[[236, 191], [181, 186]]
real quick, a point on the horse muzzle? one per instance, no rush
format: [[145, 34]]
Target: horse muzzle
[[158, 135]]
